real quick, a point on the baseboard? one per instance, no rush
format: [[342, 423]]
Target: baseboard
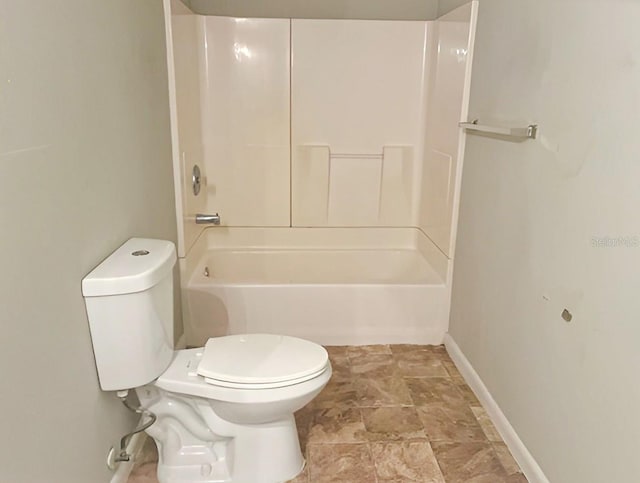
[[123, 470], [525, 459]]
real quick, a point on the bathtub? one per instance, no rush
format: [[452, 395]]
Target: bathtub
[[330, 285]]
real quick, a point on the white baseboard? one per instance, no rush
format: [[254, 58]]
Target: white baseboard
[[525, 459], [123, 470]]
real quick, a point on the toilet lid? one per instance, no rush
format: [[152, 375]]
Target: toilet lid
[[260, 359]]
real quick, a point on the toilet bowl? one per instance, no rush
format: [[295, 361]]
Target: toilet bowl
[[224, 412], [198, 419]]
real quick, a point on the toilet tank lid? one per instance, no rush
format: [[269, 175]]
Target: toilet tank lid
[[139, 264]]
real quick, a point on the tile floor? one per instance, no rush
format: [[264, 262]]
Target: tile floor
[[392, 413]]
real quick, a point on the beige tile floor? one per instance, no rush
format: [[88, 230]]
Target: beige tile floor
[[392, 413]]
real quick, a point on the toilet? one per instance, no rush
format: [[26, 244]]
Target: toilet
[[224, 412]]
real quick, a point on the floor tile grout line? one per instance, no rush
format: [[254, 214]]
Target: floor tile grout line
[[492, 443], [373, 462], [435, 457]]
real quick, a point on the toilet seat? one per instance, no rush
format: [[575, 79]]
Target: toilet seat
[[265, 385], [181, 378], [260, 361]]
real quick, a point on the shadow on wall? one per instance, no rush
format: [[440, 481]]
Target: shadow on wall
[[209, 317]]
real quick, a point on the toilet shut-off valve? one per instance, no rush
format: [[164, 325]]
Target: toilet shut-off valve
[[123, 455]]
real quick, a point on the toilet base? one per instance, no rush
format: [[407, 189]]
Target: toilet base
[[195, 445], [266, 453]]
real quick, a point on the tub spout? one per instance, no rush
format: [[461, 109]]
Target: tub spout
[[202, 219]]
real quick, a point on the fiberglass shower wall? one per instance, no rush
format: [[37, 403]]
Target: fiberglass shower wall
[[245, 119], [322, 123], [332, 152], [345, 97], [357, 93], [450, 52]]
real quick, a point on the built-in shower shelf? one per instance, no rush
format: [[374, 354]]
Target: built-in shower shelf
[[528, 132]]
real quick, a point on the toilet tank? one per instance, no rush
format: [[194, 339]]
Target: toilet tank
[[129, 300]]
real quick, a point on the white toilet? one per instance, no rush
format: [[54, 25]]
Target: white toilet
[[224, 411]]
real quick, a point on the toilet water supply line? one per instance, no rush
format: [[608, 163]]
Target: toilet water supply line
[[123, 455]]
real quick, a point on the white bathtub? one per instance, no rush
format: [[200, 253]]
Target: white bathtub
[[330, 285]]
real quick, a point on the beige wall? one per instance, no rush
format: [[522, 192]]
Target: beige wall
[[533, 226], [85, 163], [359, 9], [445, 6]]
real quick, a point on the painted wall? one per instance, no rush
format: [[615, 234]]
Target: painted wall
[[85, 163], [445, 6], [354, 9], [553, 224]]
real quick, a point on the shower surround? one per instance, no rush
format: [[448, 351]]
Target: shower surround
[[332, 152]]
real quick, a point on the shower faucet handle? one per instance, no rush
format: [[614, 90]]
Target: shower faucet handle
[[202, 219]]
